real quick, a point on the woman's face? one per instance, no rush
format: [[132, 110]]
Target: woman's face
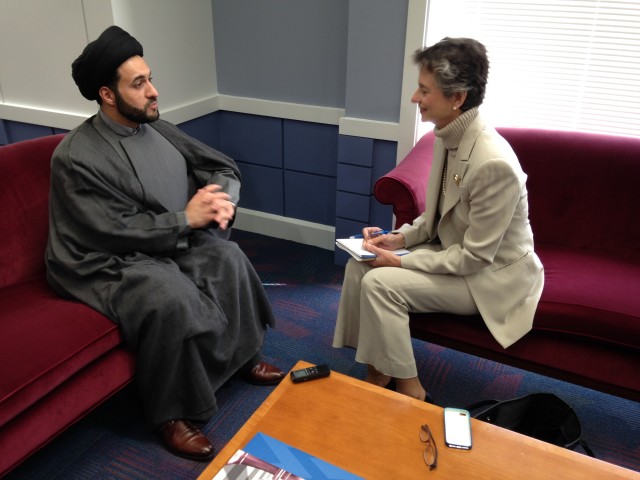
[[434, 106]]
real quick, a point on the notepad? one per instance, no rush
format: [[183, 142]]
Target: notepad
[[353, 246]]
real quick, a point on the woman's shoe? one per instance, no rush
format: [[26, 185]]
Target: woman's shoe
[[392, 386]]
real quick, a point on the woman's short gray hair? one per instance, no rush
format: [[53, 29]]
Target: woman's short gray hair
[[459, 65]]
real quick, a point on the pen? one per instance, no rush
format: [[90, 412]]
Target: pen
[[373, 234]]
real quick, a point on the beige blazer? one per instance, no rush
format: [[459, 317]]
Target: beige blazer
[[484, 232]]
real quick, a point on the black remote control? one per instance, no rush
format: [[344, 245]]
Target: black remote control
[[311, 373]]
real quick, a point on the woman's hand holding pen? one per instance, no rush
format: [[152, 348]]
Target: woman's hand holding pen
[[382, 238], [381, 243]]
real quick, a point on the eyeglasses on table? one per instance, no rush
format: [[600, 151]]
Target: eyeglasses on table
[[430, 453]]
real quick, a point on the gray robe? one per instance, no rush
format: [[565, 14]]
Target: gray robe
[[188, 302]]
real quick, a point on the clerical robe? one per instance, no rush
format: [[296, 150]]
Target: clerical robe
[[188, 302]]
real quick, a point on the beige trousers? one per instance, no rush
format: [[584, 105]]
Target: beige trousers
[[373, 315]]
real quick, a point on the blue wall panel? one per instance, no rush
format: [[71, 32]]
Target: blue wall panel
[[361, 162], [353, 206], [346, 227], [354, 179], [18, 131], [262, 188], [310, 147], [384, 159], [381, 216], [4, 139], [206, 129], [310, 197], [355, 150], [251, 138]]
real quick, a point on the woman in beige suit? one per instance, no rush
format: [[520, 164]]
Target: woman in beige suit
[[471, 250]]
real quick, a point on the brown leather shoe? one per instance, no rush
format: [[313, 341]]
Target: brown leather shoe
[[264, 374], [184, 439]]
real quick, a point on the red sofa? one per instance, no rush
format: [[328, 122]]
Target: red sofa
[[59, 359], [583, 202]]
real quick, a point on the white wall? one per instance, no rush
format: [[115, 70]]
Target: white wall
[[177, 37], [39, 39], [35, 75]]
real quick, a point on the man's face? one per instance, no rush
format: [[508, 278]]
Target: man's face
[[135, 96]]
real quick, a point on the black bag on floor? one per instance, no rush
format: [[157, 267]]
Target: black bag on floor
[[544, 416]]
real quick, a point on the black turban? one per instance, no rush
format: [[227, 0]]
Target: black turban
[[98, 62]]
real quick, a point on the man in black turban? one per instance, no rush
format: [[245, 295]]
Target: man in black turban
[[97, 64], [139, 223]]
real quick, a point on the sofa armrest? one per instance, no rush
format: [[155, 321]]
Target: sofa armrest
[[405, 186]]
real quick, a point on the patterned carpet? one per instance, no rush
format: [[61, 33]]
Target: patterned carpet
[[304, 286]]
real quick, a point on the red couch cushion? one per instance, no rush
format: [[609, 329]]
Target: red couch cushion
[[582, 189], [45, 340], [63, 407], [590, 295], [24, 196]]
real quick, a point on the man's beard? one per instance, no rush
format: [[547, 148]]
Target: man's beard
[[134, 114]]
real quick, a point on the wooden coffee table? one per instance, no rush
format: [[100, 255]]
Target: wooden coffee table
[[373, 432]]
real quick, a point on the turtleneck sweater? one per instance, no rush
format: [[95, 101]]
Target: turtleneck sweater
[[451, 135]]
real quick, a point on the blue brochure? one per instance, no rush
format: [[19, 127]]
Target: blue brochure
[[296, 461]]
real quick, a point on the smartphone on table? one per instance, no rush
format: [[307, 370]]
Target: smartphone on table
[[457, 428]]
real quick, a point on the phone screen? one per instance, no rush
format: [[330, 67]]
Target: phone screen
[[298, 374], [457, 428]]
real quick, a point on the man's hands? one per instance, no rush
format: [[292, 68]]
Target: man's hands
[[209, 204], [381, 246]]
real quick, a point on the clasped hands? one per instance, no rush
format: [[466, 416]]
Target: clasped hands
[[210, 204], [382, 245]]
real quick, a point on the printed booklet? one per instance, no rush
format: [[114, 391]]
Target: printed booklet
[[265, 458]]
